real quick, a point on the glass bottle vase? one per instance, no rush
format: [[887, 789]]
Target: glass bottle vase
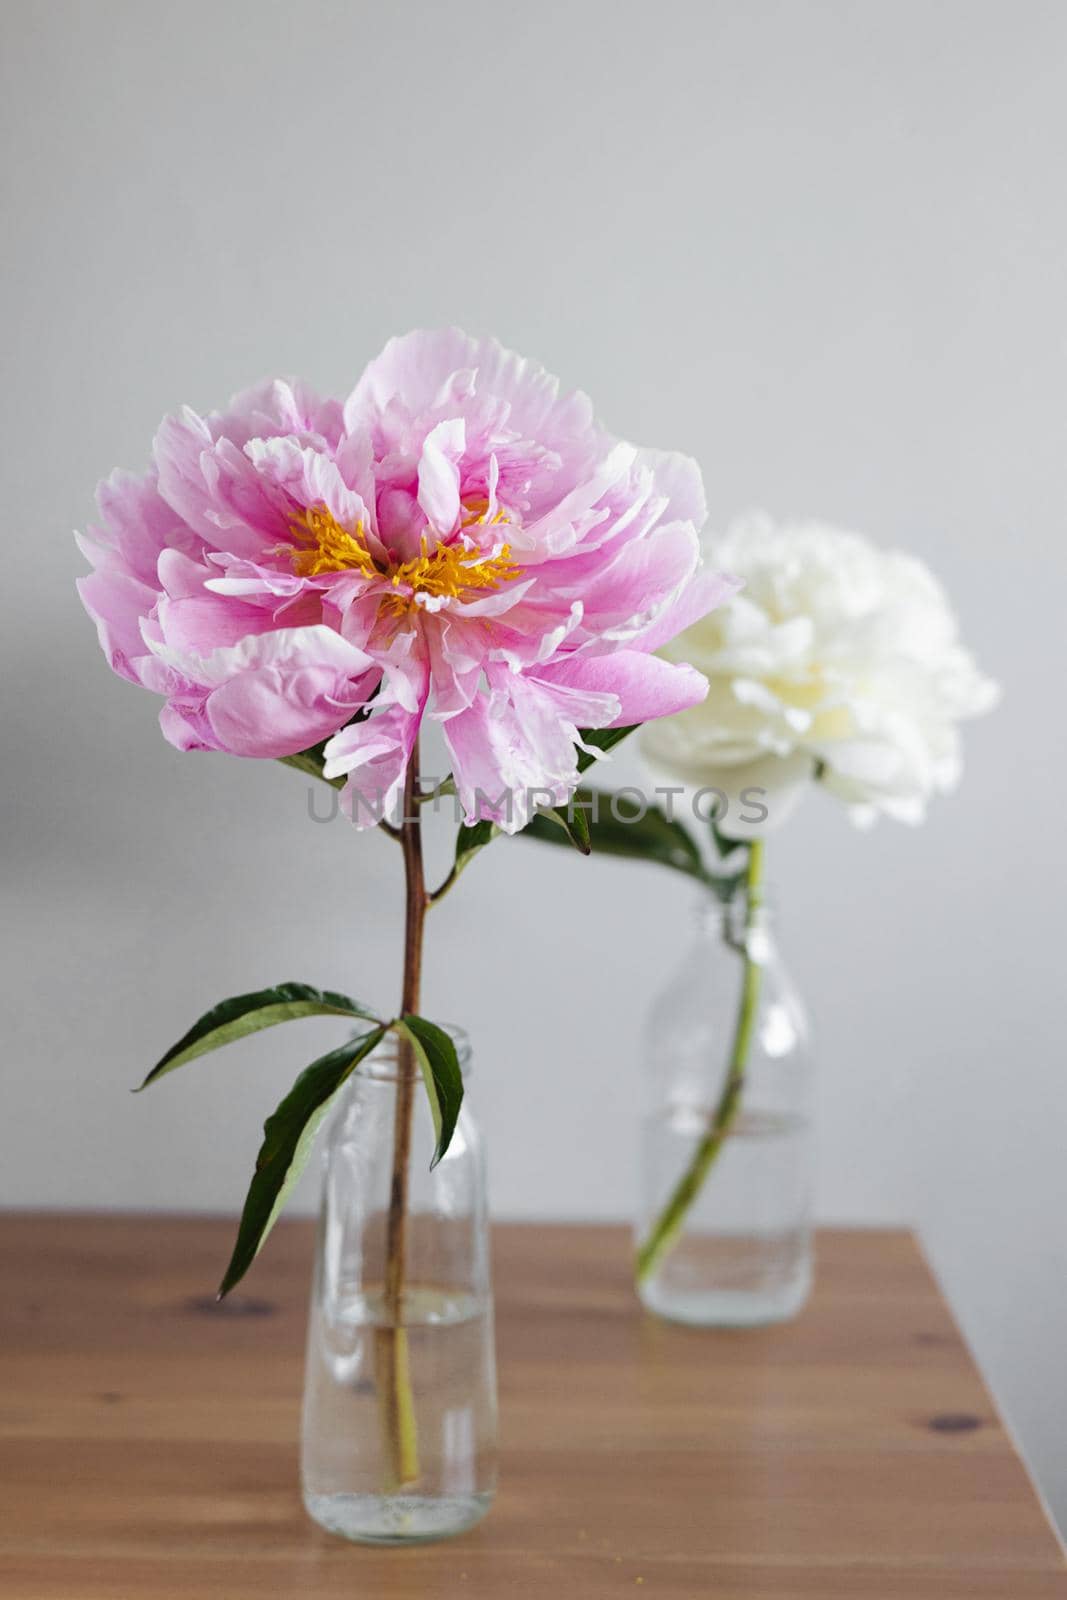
[[399, 1427], [723, 1227]]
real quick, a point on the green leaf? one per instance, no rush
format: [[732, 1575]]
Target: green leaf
[[439, 1064], [574, 823], [725, 846], [311, 762], [726, 885], [440, 791], [618, 828], [604, 739], [287, 1139], [471, 838], [248, 1013]]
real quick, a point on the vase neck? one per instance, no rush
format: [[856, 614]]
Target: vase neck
[[738, 916]]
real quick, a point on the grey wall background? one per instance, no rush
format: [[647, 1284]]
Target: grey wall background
[[820, 246]]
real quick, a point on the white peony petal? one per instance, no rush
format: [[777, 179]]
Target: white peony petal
[[835, 654]]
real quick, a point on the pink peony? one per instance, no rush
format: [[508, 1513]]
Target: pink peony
[[456, 540]]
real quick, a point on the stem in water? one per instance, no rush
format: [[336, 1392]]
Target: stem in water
[[401, 1434], [672, 1218]]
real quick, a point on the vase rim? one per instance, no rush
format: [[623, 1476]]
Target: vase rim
[[381, 1064], [712, 909]]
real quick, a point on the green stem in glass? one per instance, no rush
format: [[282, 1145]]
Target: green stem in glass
[[401, 1433], [671, 1219]]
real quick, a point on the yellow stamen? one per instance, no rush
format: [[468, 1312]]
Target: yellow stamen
[[324, 546], [475, 509], [448, 571]]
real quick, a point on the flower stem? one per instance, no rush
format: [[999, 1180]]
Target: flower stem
[[670, 1221], [401, 1434]]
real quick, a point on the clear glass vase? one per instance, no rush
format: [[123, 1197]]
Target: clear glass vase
[[723, 1228], [399, 1431]]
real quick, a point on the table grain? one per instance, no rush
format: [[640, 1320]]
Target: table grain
[[148, 1436]]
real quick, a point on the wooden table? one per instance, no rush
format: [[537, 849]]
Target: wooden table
[[148, 1438]]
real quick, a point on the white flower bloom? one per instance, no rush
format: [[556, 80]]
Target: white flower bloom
[[837, 660]]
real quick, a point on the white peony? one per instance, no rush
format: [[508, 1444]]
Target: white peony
[[837, 661]]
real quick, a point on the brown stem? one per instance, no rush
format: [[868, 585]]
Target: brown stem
[[400, 1429]]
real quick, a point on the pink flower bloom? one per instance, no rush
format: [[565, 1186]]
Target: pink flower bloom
[[456, 541]]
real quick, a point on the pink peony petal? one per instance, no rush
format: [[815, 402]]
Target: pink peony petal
[[186, 727], [587, 552], [677, 478], [703, 593], [374, 754], [271, 711], [178, 448], [308, 477], [513, 749], [439, 474], [279, 407], [116, 602], [139, 524], [645, 686]]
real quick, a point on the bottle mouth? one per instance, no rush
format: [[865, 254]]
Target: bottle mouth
[[716, 909], [383, 1062]]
